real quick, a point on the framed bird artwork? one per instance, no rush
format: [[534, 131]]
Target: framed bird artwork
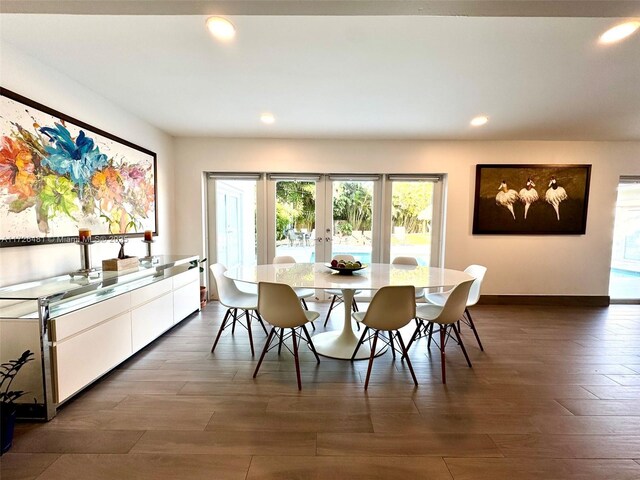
[[531, 199]]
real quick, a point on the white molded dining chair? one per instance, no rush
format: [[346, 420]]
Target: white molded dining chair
[[478, 272], [337, 293], [301, 293], [279, 305], [234, 299], [409, 261], [391, 308], [446, 317]]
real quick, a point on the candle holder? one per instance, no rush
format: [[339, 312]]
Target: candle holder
[[149, 258], [85, 261]]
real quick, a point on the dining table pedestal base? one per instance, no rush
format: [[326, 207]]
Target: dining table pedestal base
[[340, 346]]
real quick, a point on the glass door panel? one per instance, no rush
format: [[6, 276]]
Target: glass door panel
[[624, 281], [236, 234], [412, 219], [352, 219], [295, 219]]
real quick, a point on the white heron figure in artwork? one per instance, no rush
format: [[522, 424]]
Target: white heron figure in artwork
[[555, 194], [507, 197], [528, 195]]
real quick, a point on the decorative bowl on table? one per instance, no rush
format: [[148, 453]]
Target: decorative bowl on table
[[346, 269]]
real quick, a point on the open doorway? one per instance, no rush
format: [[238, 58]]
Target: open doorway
[[624, 283]]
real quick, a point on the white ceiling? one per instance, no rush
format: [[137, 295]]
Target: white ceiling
[[476, 8], [402, 77]]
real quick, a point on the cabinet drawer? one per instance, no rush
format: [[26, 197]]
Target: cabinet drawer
[[81, 359], [144, 294], [74, 322], [150, 320], [186, 277], [186, 300]]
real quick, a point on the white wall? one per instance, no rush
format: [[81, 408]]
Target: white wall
[[544, 265], [529, 265], [30, 78]]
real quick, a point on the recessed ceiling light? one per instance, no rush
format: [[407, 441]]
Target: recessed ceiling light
[[221, 28], [619, 32], [479, 120], [267, 118]]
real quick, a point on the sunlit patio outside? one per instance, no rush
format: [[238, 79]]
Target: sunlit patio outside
[[353, 220]]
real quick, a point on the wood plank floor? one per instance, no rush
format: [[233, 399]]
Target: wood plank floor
[[556, 394]]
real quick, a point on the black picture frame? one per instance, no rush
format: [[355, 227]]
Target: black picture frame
[[28, 132], [504, 196]]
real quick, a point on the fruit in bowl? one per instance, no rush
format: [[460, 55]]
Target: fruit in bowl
[[346, 266]]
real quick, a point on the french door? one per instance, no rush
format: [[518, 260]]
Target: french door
[[353, 217], [293, 218], [312, 217], [315, 217], [233, 219], [414, 207]]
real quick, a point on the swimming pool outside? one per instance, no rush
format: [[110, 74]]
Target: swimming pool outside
[[624, 284]]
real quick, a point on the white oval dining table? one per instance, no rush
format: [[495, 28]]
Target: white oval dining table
[[341, 344]]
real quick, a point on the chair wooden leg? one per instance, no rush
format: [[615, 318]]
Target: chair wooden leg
[[333, 300], [224, 322], [473, 328], [373, 355], [354, 306], [235, 318], [393, 350], [311, 346], [264, 350], [295, 357], [280, 344], [360, 342], [261, 322], [442, 340], [246, 314], [464, 350], [405, 355]]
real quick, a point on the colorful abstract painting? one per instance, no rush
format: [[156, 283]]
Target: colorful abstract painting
[[58, 174]]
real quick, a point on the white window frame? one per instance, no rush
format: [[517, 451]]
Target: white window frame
[[437, 222], [382, 222]]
